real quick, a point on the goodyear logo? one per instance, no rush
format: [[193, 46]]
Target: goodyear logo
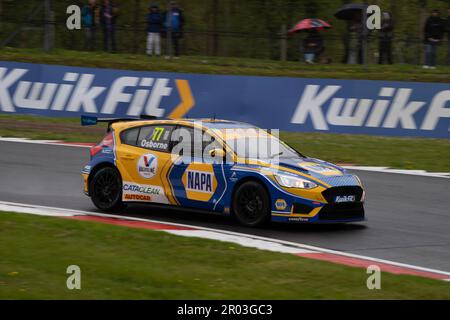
[[199, 181]]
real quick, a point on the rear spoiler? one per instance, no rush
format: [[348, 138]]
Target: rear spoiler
[[92, 121]]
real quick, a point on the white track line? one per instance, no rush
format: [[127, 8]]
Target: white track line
[[422, 173], [46, 142], [18, 207]]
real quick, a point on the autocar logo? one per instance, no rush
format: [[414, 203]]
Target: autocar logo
[[340, 199], [147, 166]]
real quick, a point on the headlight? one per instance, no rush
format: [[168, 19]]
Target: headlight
[[293, 182]]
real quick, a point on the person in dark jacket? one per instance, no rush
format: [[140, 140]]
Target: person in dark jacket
[[108, 17], [386, 35], [90, 18], [434, 31], [154, 27], [174, 24], [354, 40], [312, 46]]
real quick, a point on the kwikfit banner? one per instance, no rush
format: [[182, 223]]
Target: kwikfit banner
[[293, 104]]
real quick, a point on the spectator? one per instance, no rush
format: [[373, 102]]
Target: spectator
[[90, 18], [312, 46], [385, 45], [174, 23], [108, 16], [434, 31], [154, 27], [354, 41]]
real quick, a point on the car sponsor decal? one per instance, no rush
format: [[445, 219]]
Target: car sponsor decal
[[147, 166], [138, 192], [199, 181], [320, 169], [280, 204], [340, 199]]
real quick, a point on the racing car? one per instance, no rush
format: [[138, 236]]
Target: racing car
[[226, 167]]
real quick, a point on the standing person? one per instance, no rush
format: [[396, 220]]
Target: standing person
[[108, 16], [174, 23], [154, 27], [385, 45], [90, 17], [312, 46], [434, 31], [354, 41]]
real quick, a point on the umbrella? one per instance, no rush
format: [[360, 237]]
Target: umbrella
[[348, 11], [308, 24]]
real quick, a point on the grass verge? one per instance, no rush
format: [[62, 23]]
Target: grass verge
[[122, 263], [395, 152], [226, 65]]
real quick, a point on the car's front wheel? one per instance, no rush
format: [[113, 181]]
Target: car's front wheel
[[251, 204], [106, 189]]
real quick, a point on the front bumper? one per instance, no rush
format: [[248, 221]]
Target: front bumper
[[336, 209]]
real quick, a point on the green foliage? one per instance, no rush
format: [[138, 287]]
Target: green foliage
[[235, 28], [124, 263]]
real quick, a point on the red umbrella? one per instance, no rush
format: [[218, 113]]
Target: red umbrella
[[308, 24]]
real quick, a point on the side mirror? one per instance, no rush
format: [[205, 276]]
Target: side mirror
[[217, 153]]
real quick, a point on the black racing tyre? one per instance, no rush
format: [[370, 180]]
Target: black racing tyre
[[251, 204], [105, 189]]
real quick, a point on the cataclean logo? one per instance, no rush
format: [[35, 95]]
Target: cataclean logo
[[199, 181], [147, 166], [76, 92], [141, 189]]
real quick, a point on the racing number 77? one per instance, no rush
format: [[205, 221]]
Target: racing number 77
[[157, 134]]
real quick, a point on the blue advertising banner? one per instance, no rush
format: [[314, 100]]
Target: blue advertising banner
[[293, 104]]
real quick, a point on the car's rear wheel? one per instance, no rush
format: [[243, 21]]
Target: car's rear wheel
[[251, 204], [106, 189]]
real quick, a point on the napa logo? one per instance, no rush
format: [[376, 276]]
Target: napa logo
[[280, 204], [199, 181]]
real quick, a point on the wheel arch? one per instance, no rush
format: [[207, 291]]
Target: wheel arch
[[96, 168], [246, 179]]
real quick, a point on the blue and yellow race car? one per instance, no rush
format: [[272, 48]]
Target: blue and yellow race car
[[227, 167]]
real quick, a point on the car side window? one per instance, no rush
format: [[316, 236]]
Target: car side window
[[194, 141], [155, 137], [129, 136]]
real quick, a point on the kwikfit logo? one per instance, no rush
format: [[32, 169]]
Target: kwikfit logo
[[340, 199], [76, 93], [393, 109]]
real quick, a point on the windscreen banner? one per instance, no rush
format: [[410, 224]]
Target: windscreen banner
[[291, 104]]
